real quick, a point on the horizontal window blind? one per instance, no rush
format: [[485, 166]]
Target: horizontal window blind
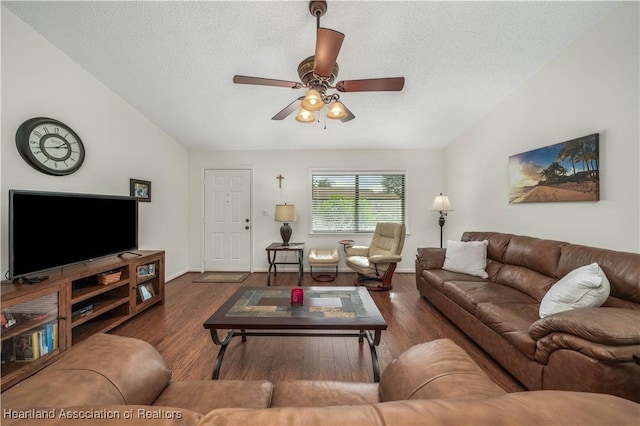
[[356, 202]]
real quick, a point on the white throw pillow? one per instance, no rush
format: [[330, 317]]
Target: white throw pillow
[[584, 287], [467, 257]]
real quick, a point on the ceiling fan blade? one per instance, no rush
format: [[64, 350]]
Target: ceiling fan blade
[[243, 79], [349, 116], [392, 84], [288, 109], [328, 44]]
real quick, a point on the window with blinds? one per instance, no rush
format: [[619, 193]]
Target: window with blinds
[[356, 202]]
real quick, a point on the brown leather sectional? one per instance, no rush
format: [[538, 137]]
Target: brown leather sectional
[[114, 380], [586, 349]]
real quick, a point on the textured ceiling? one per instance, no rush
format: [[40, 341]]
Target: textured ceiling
[[174, 62]]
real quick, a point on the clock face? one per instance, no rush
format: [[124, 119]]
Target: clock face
[[50, 146]]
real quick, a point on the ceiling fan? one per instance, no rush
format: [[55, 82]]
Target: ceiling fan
[[317, 74]]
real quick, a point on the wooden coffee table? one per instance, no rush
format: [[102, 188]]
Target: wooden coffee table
[[327, 311]]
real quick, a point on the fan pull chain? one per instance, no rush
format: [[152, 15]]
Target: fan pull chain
[[325, 117]]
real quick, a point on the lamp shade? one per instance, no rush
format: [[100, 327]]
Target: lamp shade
[[441, 203], [285, 213], [312, 101], [305, 116], [336, 111]]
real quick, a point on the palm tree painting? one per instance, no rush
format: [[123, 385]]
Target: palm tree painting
[[567, 171]]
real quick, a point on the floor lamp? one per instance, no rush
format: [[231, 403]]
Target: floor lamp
[[441, 204]]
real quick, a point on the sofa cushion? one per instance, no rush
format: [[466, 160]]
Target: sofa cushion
[[347, 415], [467, 257], [438, 277], [436, 369], [323, 393], [534, 253], [512, 322], [469, 293], [203, 396], [622, 268], [525, 280], [584, 287], [497, 243]]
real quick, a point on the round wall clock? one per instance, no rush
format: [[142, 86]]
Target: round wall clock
[[50, 146]]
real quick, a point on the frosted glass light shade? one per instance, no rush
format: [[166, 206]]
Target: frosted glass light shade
[[305, 116], [285, 213], [336, 111], [312, 101]]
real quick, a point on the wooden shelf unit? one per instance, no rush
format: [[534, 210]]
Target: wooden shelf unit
[[69, 289]]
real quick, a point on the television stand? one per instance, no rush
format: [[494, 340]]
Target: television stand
[[74, 303], [33, 280]]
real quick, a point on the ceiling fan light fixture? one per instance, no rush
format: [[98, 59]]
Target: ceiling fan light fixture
[[312, 101], [317, 74], [305, 116], [336, 111]]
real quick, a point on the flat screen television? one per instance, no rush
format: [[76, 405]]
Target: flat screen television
[[49, 230]]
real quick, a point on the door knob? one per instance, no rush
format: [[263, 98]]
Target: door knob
[[246, 220], [247, 227]]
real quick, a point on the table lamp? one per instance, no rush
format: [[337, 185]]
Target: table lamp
[[285, 213]]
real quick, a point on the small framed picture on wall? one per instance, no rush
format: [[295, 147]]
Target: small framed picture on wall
[[140, 189]]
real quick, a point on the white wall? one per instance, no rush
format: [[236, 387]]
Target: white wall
[[425, 178], [592, 87], [40, 80]]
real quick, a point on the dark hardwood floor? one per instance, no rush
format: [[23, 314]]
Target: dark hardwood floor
[[176, 330]]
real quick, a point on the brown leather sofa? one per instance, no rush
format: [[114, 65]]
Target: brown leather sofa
[[114, 380], [587, 349]]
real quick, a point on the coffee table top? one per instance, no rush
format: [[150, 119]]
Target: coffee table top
[[325, 308]]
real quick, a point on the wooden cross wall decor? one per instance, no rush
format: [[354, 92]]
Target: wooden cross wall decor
[[280, 177]]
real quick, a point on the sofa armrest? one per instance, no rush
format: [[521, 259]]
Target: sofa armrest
[[104, 369], [358, 251], [607, 326], [550, 343], [431, 257], [438, 369], [385, 258]]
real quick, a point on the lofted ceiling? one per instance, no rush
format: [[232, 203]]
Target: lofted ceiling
[[174, 62]]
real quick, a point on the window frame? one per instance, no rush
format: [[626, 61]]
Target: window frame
[[357, 172]]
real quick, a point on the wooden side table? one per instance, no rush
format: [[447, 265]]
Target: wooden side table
[[272, 251]]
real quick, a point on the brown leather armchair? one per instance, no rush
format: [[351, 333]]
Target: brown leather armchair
[[378, 261]]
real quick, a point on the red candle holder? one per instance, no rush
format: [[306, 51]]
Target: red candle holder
[[297, 297]]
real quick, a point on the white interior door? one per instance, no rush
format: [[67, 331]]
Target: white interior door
[[227, 220]]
